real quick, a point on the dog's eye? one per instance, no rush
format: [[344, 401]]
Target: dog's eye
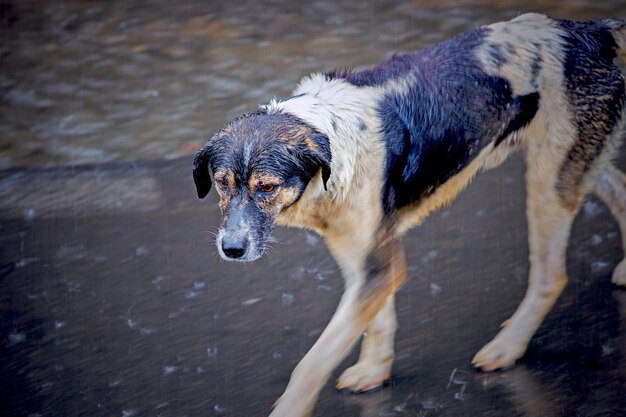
[[267, 188], [222, 184]]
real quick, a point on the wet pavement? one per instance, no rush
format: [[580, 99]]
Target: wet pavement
[[114, 303], [113, 300]]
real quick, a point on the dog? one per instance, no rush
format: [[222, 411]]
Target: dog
[[360, 157]]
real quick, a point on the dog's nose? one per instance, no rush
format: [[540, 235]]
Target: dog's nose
[[234, 247]]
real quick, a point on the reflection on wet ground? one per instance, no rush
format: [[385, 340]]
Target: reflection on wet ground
[[113, 301]]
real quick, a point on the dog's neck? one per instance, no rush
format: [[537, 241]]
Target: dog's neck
[[348, 116]]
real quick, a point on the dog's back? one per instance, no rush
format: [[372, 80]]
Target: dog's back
[[533, 78]]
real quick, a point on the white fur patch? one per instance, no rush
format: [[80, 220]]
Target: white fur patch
[[523, 42]]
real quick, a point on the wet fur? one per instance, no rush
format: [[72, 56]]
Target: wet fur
[[361, 157]]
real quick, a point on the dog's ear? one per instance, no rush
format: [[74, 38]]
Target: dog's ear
[[324, 161], [201, 171], [316, 155]]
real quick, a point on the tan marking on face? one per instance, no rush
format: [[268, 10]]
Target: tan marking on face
[[258, 179], [273, 202], [287, 195], [224, 194], [296, 134], [310, 144], [280, 198]]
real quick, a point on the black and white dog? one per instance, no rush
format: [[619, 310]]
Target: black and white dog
[[361, 157]]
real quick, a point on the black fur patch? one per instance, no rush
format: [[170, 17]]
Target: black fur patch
[[450, 110], [496, 55], [536, 66], [527, 107], [201, 172], [386, 253]]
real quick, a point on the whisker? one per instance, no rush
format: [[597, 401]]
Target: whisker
[[267, 248], [272, 239]]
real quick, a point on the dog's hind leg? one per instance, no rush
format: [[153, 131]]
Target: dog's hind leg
[[610, 186], [373, 272], [550, 213], [374, 365]]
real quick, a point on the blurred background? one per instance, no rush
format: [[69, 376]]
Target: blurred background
[[113, 301], [95, 81]]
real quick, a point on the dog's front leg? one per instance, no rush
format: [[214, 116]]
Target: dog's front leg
[[372, 276], [374, 365]]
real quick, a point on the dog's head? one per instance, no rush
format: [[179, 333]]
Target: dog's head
[[260, 164]]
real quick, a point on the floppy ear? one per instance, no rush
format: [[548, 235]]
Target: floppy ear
[[317, 155], [325, 165], [201, 171]]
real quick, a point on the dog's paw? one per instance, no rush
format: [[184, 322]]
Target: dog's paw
[[497, 354], [364, 376], [619, 274]]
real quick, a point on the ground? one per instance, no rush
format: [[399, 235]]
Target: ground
[[114, 303]]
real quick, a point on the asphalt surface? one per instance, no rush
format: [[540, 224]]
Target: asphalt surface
[[113, 302]]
